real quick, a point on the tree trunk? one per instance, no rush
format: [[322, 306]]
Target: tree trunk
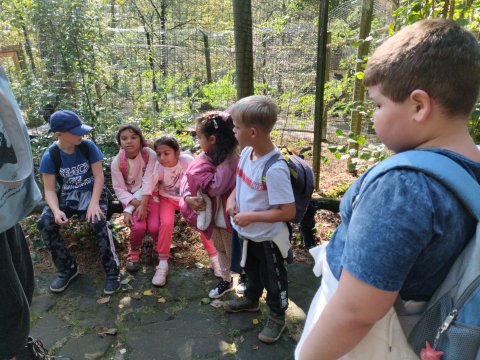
[[242, 19], [208, 64], [163, 39], [320, 88], [358, 88], [151, 62], [28, 48]]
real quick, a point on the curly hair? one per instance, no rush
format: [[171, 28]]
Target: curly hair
[[219, 125]]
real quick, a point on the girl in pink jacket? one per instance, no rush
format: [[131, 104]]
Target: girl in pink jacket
[[208, 182], [168, 174], [132, 180]]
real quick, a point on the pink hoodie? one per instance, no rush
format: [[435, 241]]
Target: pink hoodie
[[214, 181]]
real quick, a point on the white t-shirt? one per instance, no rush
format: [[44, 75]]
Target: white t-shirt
[[252, 195], [169, 178]]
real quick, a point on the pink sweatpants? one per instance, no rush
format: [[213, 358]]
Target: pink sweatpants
[[167, 218], [150, 224]]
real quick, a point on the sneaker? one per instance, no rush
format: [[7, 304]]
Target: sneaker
[[221, 289], [133, 266], [241, 304], [160, 277], [273, 328], [215, 266], [62, 280], [112, 284], [34, 350], [242, 284]]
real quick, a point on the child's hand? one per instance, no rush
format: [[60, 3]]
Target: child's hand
[[94, 213], [196, 203], [127, 219], [60, 218], [244, 218], [231, 208], [231, 205], [141, 212]]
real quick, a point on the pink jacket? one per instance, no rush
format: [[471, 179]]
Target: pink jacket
[[136, 179], [214, 181]]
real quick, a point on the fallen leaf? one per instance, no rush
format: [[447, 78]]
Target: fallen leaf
[[199, 265], [103, 300], [242, 339], [161, 300], [254, 347], [106, 331], [205, 301], [148, 292], [255, 321], [217, 303], [123, 351]]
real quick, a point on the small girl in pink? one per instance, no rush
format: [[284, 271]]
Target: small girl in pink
[[209, 180], [168, 172], [132, 180]]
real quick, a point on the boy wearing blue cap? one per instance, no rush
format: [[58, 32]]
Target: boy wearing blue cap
[[76, 164]]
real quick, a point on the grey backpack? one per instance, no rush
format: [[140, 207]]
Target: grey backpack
[[451, 321]]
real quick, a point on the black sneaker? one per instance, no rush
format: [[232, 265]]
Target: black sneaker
[[34, 350], [112, 284], [62, 280], [221, 288]]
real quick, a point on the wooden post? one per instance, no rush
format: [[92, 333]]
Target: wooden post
[[320, 88]]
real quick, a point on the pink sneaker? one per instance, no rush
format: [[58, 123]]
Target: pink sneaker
[[160, 277], [215, 265]]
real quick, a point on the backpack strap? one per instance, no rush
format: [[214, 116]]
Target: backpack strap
[[123, 163], [440, 167], [54, 153], [272, 160]]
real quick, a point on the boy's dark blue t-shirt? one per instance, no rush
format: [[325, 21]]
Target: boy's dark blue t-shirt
[[75, 170], [405, 232]]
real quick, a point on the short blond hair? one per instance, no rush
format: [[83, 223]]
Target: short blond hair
[[257, 110], [434, 55]]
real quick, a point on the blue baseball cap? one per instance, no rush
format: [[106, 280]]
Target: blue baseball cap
[[67, 121]]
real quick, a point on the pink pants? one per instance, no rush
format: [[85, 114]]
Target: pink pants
[[150, 224], [167, 210]]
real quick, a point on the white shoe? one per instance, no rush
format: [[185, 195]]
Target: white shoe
[[160, 277]]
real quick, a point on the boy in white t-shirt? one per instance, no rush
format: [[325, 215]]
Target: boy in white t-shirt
[[259, 210]]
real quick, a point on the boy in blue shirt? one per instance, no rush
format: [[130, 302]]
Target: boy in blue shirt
[[259, 210], [82, 193], [402, 235]]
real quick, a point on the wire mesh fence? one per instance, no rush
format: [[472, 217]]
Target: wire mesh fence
[[161, 62]]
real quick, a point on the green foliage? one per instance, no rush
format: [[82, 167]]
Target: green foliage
[[217, 95], [474, 123], [367, 155], [338, 191]]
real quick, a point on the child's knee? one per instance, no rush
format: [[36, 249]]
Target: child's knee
[[46, 221]]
